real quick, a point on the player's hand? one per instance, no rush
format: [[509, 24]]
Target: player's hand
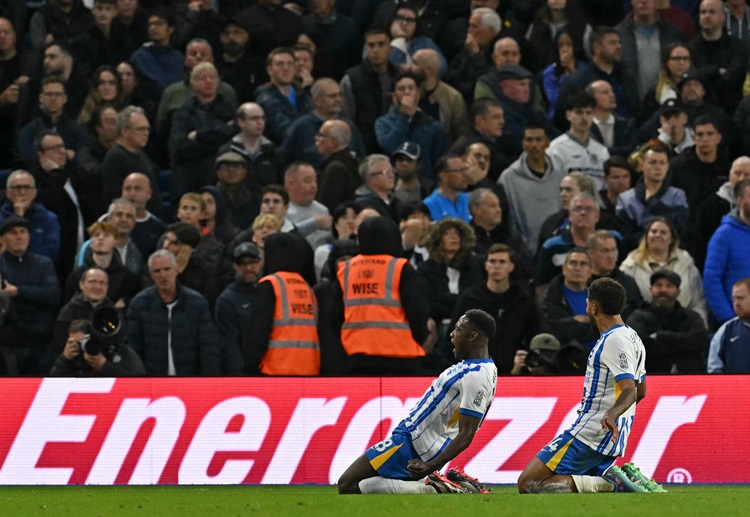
[[608, 424], [418, 469]]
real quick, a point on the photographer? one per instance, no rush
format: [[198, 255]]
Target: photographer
[[88, 355], [546, 357]]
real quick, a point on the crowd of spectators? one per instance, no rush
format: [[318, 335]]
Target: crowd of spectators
[[326, 186]]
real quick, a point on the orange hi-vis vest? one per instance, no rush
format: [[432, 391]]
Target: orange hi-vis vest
[[374, 320], [294, 347]]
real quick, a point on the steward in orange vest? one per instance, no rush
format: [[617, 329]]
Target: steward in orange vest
[[283, 339], [379, 308]]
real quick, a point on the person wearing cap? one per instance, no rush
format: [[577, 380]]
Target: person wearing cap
[[406, 121], [513, 308], [730, 346], [675, 337], [30, 283], [546, 347], [411, 186], [234, 307], [441, 101], [722, 58], [512, 86], [674, 131], [242, 199], [169, 325], [265, 160], [240, 65], [617, 133], [339, 177]]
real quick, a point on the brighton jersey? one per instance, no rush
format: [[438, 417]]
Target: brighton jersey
[[619, 354], [465, 388]]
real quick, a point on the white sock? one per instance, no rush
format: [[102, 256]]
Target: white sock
[[591, 484], [379, 485]]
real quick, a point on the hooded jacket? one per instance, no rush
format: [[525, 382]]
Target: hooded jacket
[[726, 262]]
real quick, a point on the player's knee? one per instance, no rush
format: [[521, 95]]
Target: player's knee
[[346, 486]]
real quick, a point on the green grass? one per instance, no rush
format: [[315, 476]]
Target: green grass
[[298, 501]]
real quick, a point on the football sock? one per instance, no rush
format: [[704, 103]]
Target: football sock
[[591, 484], [379, 485]]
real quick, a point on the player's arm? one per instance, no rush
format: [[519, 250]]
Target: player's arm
[[641, 391], [467, 428], [628, 396]]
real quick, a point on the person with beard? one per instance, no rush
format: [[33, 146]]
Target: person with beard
[[513, 308], [675, 337], [283, 337], [239, 64]]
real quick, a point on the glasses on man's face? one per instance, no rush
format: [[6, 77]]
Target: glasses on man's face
[[583, 209], [22, 188]]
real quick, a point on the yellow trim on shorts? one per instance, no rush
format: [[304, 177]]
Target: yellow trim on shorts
[[378, 462], [555, 461]]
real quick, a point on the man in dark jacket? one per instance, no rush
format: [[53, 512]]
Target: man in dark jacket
[[170, 325], [340, 175], [675, 337], [514, 309]]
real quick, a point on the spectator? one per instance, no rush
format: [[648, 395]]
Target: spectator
[[406, 121], [58, 61], [440, 100], [265, 161], [618, 134], [394, 341], [407, 38], [21, 193], [514, 309], [281, 101], [242, 200], [575, 148], [300, 182], [449, 199], [550, 20], [718, 204], [105, 89], [602, 248], [473, 60], [618, 177], [169, 325], [720, 57], [136, 188], [411, 187], [652, 196], [215, 225], [16, 66], [659, 249], [339, 178], [365, 88], [271, 25], [103, 126], [29, 282], [643, 37], [263, 226], [726, 258], [729, 346], [158, 63], [300, 143], [415, 228], [133, 19], [487, 121], [132, 92], [283, 337], [240, 64], [59, 20], [376, 191], [675, 337], [197, 20], [122, 214], [123, 283], [673, 130], [675, 61], [563, 307], [115, 360], [234, 307], [531, 184], [338, 31], [568, 57]]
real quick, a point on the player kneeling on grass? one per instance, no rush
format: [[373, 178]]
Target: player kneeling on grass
[[580, 459], [439, 427]]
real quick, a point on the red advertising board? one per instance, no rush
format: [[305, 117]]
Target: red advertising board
[[689, 429]]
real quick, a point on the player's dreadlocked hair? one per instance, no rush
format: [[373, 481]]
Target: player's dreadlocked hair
[[482, 321], [609, 295]]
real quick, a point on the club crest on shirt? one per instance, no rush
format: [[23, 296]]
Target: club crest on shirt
[[623, 361], [479, 397]]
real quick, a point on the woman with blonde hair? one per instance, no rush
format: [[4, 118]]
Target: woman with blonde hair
[[658, 249], [675, 61], [263, 226]]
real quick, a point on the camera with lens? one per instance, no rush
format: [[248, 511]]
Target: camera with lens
[[102, 333], [569, 359]]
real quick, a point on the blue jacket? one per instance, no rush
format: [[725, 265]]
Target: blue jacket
[[45, 228], [730, 348], [280, 113], [160, 66], [394, 128], [195, 345], [634, 211], [726, 262]]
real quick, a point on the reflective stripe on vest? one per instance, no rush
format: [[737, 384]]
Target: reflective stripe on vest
[[294, 346], [374, 319]]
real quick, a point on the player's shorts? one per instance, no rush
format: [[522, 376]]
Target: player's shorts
[[390, 457], [565, 455]]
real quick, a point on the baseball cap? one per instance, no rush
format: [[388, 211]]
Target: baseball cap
[[544, 341], [246, 249], [669, 275], [513, 72], [11, 222], [693, 75], [410, 149], [671, 107], [230, 157]]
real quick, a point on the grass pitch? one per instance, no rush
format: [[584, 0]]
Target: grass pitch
[[298, 501]]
